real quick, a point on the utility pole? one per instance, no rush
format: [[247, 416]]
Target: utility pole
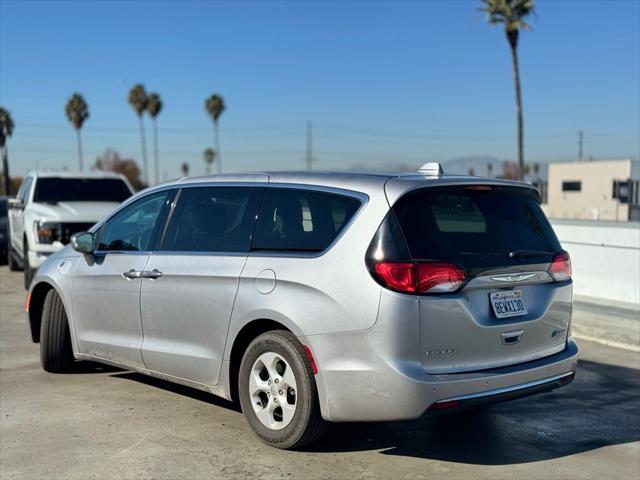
[[309, 156], [580, 141]]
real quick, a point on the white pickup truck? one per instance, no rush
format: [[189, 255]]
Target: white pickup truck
[[52, 206]]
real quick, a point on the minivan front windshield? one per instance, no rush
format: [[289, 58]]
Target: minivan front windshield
[[476, 227], [60, 189]]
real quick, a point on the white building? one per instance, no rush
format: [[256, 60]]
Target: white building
[[594, 190]]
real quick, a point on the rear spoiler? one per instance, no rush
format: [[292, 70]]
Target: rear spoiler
[[398, 186]]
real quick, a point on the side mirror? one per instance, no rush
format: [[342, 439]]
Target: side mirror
[[15, 204], [83, 242]]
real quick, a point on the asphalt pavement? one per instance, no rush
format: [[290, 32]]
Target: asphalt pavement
[[101, 422]]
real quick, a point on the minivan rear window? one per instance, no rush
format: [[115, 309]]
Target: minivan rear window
[[301, 220], [476, 227]]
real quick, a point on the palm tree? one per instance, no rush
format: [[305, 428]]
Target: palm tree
[[77, 112], [154, 107], [138, 100], [6, 130], [512, 13], [214, 105], [208, 155], [184, 168]]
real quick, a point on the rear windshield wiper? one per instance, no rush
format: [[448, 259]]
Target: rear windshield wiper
[[528, 253]]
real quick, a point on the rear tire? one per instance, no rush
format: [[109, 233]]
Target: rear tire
[[56, 354], [11, 260], [306, 424]]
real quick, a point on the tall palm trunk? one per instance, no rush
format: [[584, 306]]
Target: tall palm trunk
[[216, 140], [80, 158], [156, 159], [5, 172], [145, 165], [512, 37]]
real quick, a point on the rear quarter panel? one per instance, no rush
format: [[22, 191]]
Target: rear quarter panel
[[330, 292]]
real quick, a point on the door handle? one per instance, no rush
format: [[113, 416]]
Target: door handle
[[511, 338], [155, 273], [132, 274]]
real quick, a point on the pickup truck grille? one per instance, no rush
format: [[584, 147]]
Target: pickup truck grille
[[71, 228]]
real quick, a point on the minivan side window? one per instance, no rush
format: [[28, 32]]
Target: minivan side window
[[132, 228], [301, 220], [213, 219]]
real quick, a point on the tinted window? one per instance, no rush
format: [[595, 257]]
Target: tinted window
[[571, 186], [3, 207], [133, 227], [213, 219], [56, 189], [475, 228], [301, 220]]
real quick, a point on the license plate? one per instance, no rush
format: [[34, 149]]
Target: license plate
[[508, 304]]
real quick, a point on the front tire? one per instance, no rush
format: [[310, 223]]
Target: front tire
[[56, 354], [278, 393], [11, 260], [28, 271]]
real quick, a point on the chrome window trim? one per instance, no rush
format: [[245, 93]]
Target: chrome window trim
[[121, 252], [195, 253], [221, 184], [167, 221]]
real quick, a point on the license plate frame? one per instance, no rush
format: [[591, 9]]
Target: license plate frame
[[507, 304]]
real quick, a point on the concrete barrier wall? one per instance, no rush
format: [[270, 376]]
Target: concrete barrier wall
[[605, 257]]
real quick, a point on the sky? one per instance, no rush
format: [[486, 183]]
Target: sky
[[385, 84]]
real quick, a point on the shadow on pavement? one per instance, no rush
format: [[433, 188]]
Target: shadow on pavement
[[600, 408], [179, 389], [92, 367]]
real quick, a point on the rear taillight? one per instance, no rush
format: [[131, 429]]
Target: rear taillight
[[560, 268], [428, 277], [439, 277], [397, 276]]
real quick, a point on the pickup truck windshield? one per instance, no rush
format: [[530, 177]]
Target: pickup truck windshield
[[58, 189]]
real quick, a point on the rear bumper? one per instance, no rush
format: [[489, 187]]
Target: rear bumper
[[502, 394], [356, 383]]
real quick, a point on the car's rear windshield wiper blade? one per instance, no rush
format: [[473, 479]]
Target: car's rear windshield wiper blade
[[528, 253]]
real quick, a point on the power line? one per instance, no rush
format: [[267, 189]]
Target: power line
[[287, 126]]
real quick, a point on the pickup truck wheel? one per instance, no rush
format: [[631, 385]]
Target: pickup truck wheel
[[278, 393], [56, 354], [11, 260], [28, 272]]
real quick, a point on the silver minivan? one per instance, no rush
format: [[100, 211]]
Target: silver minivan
[[319, 297]]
